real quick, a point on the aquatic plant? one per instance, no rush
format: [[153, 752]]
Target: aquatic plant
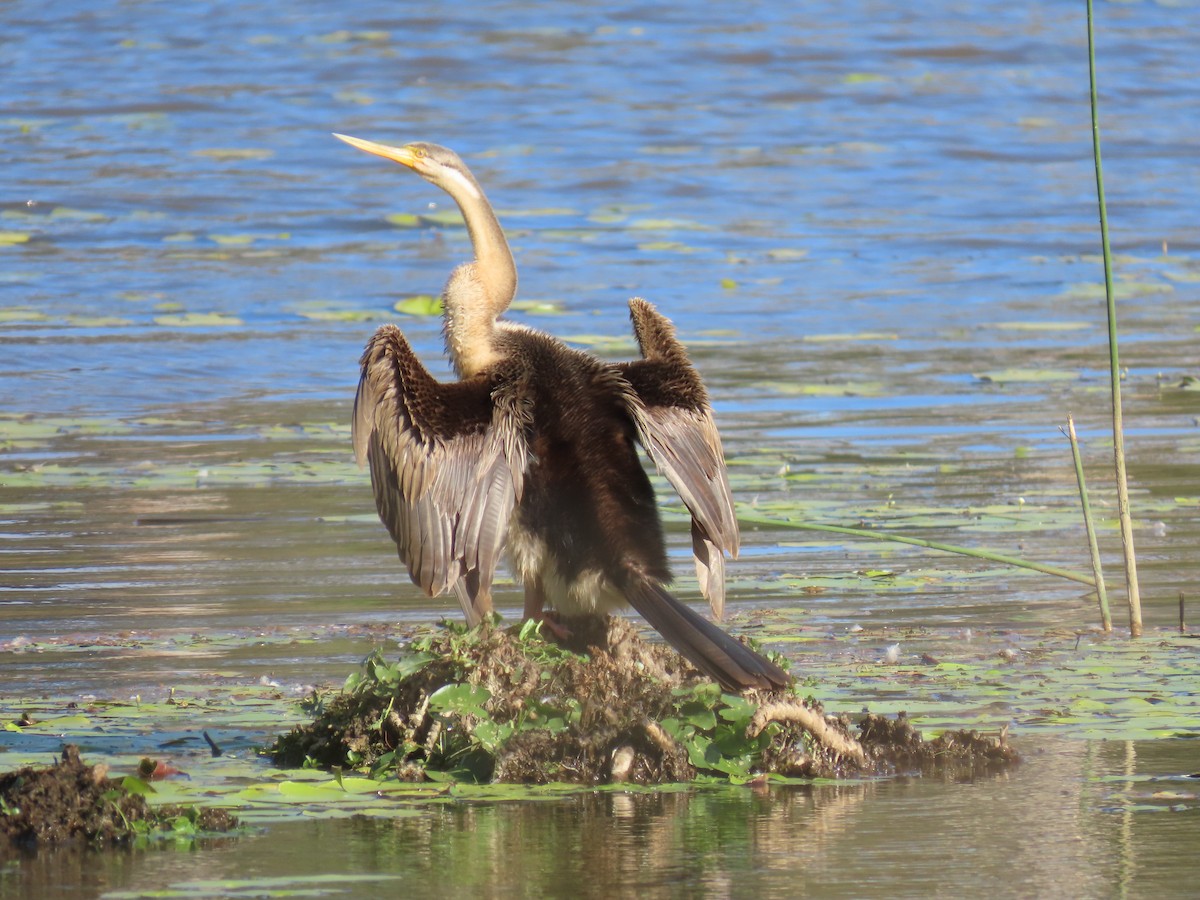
[[1131, 581], [1089, 525]]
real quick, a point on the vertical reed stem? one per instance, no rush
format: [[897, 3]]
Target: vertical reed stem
[[1131, 581], [1093, 547]]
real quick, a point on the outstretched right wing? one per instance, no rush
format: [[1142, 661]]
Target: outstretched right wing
[[676, 426], [447, 466]]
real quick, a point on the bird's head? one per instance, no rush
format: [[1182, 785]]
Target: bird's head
[[433, 162]]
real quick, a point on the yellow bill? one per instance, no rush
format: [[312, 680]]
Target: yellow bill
[[403, 155]]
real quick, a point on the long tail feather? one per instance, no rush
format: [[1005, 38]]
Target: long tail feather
[[717, 654]]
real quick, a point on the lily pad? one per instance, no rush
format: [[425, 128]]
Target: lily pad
[[197, 320], [853, 336], [445, 217], [419, 305], [339, 315], [667, 225], [814, 389], [1122, 289], [77, 215], [605, 344], [22, 314], [228, 154], [1044, 326], [404, 220], [863, 78], [1004, 376], [666, 247], [537, 307]]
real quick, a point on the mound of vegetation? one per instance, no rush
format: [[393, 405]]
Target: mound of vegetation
[[71, 800], [494, 705]]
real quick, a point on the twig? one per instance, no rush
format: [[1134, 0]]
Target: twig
[[1131, 581], [1093, 547], [212, 745], [813, 723]]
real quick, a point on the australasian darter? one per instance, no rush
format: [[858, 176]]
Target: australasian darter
[[533, 451]]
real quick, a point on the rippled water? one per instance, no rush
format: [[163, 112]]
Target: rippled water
[[874, 223]]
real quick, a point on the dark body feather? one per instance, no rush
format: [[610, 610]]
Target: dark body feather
[[586, 496]]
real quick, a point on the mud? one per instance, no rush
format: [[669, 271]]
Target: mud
[[71, 801], [610, 707]]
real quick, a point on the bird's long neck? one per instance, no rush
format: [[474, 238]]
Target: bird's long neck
[[478, 291]]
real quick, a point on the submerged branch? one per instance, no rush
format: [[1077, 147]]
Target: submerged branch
[[919, 542], [814, 723]]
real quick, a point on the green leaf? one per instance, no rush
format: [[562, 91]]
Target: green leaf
[[228, 154], [700, 717], [135, 785], [419, 305], [404, 220], [196, 320], [463, 699], [491, 736], [1005, 376]]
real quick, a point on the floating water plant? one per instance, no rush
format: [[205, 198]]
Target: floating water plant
[[747, 516]]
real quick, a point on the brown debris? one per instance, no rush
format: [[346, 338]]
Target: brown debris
[[619, 695], [71, 800], [898, 747]]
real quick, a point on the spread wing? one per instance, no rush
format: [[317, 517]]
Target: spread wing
[[447, 464], [675, 423]]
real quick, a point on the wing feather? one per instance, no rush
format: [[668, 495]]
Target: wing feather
[[676, 426], [447, 463]]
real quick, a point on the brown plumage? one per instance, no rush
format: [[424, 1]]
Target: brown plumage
[[533, 453]]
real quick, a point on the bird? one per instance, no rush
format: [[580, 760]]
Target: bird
[[532, 452]]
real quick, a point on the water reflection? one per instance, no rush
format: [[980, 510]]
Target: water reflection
[[1077, 817]]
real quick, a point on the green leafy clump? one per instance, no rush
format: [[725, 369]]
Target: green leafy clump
[[495, 705], [489, 705]]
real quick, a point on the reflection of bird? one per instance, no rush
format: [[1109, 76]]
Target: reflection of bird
[[532, 450]]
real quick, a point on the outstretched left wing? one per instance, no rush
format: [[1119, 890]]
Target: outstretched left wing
[[447, 466]]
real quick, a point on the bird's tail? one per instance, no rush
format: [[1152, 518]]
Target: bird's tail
[[717, 654]]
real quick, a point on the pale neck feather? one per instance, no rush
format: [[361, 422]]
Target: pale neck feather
[[477, 292]]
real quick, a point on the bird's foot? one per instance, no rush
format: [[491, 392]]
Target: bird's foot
[[559, 632]]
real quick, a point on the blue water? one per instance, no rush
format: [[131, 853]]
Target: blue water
[[933, 166]]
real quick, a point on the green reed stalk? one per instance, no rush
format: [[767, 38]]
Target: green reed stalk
[[1093, 547], [1131, 581], [755, 519]]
